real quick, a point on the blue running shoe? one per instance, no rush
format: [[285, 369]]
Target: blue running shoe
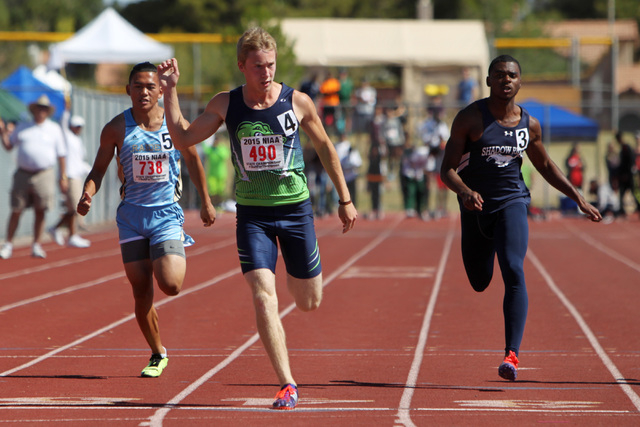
[[509, 367], [287, 398]]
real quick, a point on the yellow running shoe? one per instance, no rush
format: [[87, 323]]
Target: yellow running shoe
[[156, 365]]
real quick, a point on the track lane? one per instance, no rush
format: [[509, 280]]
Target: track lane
[[355, 352], [561, 375]]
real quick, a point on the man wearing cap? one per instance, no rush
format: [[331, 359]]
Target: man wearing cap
[[40, 145], [77, 170]]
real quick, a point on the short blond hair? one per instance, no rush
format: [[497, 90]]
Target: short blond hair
[[255, 39]]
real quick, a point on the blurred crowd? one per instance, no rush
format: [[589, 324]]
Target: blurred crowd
[[378, 143]]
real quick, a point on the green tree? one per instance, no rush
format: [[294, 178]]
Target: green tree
[[48, 15], [40, 16], [217, 63], [372, 9]]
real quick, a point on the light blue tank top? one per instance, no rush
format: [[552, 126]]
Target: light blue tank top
[[151, 166]]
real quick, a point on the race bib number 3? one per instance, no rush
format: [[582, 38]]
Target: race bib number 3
[[150, 167], [262, 152], [522, 135]]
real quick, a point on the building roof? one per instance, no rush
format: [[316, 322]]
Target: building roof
[[359, 42]]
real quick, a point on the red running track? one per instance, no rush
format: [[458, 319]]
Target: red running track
[[400, 338]]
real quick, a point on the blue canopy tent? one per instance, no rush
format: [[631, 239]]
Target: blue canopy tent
[[561, 124], [27, 88]]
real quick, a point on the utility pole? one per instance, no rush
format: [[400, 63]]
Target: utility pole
[[424, 10]]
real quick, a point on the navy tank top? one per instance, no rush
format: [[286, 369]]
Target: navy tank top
[[491, 165], [266, 151]]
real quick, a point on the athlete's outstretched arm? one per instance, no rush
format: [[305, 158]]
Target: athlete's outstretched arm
[[183, 134], [199, 179], [552, 173], [111, 136], [305, 111]]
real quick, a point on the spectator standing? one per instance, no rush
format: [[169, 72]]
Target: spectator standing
[[217, 157], [393, 133], [612, 161], [311, 87], [575, 167], [77, 169], [413, 181], [40, 145], [636, 174], [330, 103], [346, 96], [434, 133], [606, 199], [377, 169], [467, 88], [366, 100], [626, 172], [350, 160]]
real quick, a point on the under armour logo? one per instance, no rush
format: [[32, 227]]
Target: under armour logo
[[508, 133]]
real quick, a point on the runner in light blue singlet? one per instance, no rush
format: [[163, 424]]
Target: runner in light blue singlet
[[151, 168], [149, 218]]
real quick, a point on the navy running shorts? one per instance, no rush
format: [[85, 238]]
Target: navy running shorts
[[259, 229]]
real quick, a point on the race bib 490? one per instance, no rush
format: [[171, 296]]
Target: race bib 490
[[262, 152]]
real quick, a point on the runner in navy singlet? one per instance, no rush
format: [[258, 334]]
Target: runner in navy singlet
[[263, 118], [482, 166]]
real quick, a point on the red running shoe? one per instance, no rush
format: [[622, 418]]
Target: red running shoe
[[287, 398], [509, 367]]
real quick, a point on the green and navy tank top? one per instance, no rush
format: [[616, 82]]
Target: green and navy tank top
[[266, 151], [151, 166], [491, 165]]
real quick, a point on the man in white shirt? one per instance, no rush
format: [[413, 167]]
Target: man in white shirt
[[40, 144], [434, 133]]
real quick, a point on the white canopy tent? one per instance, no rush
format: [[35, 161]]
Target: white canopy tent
[[109, 39]]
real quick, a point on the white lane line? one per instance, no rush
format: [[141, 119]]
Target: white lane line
[[62, 263], [400, 272], [103, 279], [157, 418], [120, 322], [606, 250], [59, 292], [617, 375], [404, 415], [240, 409]]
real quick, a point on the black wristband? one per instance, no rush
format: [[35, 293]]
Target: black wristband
[[341, 203]]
